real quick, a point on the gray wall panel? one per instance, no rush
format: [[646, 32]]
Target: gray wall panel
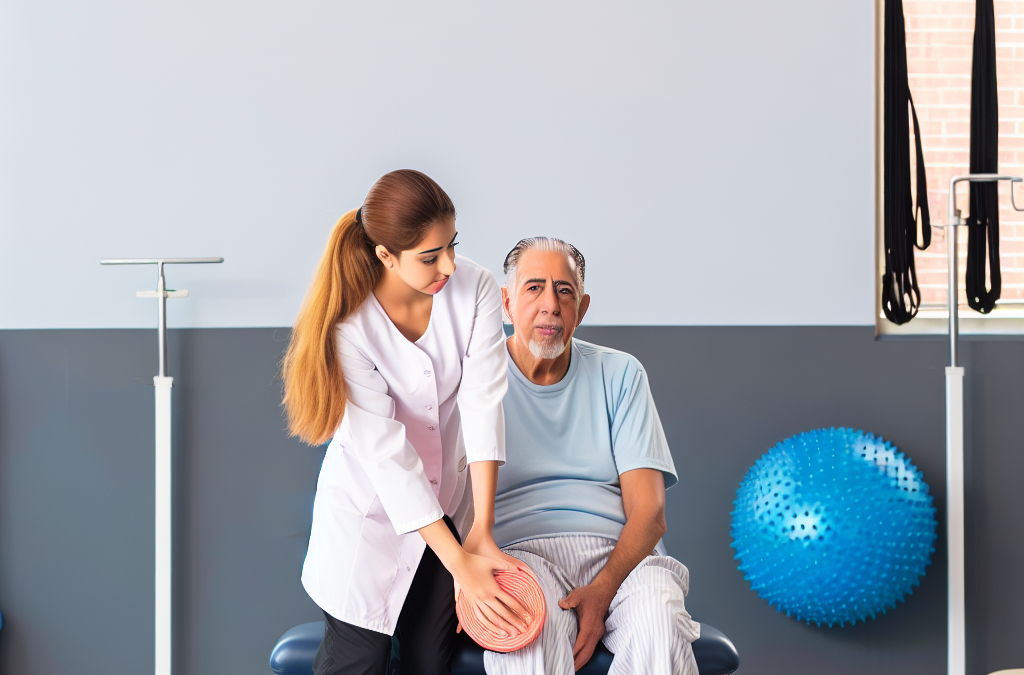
[[726, 396], [994, 415], [76, 502], [76, 491]]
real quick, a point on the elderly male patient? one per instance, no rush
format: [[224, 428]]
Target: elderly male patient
[[581, 498]]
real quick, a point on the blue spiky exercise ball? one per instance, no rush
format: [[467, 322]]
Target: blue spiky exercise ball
[[833, 526]]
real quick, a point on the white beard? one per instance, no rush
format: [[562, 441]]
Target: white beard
[[547, 350]]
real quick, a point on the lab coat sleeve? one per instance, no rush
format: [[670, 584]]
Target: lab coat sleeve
[[484, 378], [380, 445]]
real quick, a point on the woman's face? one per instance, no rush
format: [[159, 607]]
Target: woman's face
[[427, 265]]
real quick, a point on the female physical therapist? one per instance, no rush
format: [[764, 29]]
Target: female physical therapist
[[398, 358]]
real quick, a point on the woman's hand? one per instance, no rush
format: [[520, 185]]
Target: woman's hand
[[480, 541], [496, 609]]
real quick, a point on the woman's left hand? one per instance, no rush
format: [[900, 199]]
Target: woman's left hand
[[480, 541]]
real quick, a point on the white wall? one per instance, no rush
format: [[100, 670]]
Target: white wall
[[712, 160]]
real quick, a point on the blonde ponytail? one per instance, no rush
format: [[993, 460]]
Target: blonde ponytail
[[314, 388]]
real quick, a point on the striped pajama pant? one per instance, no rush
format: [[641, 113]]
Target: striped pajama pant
[[647, 629]]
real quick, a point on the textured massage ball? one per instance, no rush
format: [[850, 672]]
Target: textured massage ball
[[520, 584], [833, 526]]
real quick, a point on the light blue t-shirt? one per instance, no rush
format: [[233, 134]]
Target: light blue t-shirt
[[567, 443]]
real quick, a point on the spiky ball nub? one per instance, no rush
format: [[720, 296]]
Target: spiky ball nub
[[833, 526]]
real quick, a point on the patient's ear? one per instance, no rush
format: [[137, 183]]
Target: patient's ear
[[506, 304], [582, 311]]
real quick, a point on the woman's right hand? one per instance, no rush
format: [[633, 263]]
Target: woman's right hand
[[493, 607]]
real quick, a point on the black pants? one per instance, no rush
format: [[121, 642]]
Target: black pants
[[424, 638]]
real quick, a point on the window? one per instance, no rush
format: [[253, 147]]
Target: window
[[940, 37]]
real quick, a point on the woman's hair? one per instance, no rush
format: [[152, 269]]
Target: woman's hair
[[396, 214]]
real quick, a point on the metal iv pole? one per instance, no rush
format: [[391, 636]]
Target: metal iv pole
[[957, 645], [162, 383]]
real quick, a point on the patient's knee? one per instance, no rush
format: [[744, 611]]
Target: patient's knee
[[654, 617]]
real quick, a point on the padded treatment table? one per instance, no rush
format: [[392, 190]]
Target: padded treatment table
[[293, 654]]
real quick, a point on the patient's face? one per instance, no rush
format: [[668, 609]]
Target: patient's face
[[545, 304]]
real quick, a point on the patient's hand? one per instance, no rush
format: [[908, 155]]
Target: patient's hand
[[480, 541], [591, 603]]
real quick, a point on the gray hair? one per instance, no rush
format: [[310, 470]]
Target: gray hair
[[548, 244]]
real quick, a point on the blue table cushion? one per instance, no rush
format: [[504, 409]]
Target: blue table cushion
[[294, 652]]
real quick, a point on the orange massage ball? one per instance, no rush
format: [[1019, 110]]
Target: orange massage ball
[[521, 585]]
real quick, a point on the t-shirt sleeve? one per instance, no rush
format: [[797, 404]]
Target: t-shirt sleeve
[[638, 439]]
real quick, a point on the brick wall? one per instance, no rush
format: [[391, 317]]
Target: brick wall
[[940, 35]]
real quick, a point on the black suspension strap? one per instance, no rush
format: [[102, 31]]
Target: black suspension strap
[[983, 222], [901, 296]]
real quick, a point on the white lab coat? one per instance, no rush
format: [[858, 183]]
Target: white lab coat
[[416, 414]]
